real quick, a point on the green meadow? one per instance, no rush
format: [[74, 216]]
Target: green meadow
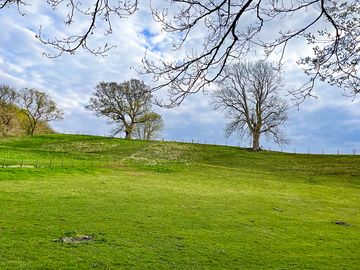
[[87, 202]]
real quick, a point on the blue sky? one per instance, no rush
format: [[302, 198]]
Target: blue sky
[[329, 122]]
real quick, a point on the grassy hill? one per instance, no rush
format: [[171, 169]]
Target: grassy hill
[[163, 205]]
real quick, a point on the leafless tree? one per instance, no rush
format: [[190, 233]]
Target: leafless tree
[[37, 107], [124, 104], [249, 93], [97, 13], [8, 3], [233, 28], [8, 97], [150, 125]]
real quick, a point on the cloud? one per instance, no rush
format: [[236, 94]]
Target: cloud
[[329, 122]]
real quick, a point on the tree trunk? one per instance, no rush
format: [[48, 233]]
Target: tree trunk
[[128, 134], [256, 141], [128, 131], [30, 130]]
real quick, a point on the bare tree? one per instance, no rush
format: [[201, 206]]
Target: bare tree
[[97, 14], [150, 125], [233, 29], [249, 93], [124, 104], [37, 107], [8, 97], [8, 3]]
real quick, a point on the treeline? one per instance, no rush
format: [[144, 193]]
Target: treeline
[[127, 105], [26, 112]]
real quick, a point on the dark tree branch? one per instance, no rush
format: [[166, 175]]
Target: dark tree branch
[[98, 13], [232, 29], [230, 37]]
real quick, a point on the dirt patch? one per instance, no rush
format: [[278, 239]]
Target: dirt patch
[[342, 223], [76, 239]]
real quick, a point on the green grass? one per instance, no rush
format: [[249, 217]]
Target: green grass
[[161, 205]]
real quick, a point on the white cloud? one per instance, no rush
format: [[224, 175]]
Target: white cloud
[[71, 79]]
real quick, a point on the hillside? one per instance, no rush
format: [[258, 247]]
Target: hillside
[[13, 123], [165, 205]]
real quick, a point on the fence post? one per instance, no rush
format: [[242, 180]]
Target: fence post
[[21, 163], [4, 163], [62, 162], [50, 162]]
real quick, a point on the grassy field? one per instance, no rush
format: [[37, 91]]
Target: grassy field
[[162, 205]]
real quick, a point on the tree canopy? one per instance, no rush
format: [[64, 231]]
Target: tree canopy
[[26, 112], [149, 126], [124, 104], [233, 29], [38, 107]]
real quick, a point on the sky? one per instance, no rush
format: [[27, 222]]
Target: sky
[[327, 123]]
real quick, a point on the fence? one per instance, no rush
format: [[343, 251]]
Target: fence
[[111, 161], [56, 163], [275, 148]]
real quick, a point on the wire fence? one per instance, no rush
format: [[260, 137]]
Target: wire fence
[[56, 163], [111, 161], [275, 148]]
